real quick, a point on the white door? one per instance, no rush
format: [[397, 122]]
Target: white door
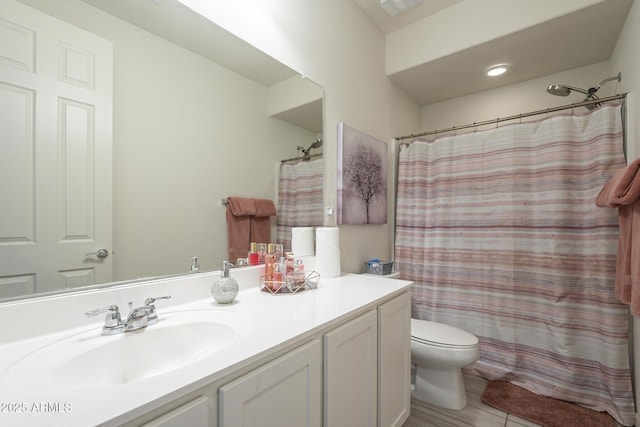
[[55, 153]]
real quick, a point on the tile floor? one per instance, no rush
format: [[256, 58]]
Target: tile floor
[[476, 413]]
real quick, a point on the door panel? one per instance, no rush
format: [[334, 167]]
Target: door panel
[[56, 162]]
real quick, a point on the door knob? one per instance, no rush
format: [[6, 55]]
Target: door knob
[[100, 253]]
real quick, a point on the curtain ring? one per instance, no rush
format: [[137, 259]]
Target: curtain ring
[[497, 121]]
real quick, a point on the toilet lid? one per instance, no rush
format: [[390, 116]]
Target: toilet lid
[[440, 335]]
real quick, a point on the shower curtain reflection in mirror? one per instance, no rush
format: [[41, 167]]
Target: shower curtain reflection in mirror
[[499, 231], [299, 198]]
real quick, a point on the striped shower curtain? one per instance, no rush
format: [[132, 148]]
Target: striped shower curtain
[[499, 231], [299, 198]]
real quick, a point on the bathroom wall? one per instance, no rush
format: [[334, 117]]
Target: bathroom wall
[[221, 143]]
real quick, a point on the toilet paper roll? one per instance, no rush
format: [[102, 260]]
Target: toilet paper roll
[[302, 241], [328, 252]]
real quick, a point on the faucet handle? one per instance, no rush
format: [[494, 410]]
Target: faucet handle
[[112, 321], [151, 300], [113, 308], [152, 317]]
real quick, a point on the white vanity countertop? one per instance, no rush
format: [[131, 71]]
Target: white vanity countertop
[[273, 322]]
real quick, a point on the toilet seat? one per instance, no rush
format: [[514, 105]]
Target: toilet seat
[[440, 335]]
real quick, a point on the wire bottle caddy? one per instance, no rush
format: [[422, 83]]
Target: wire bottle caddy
[[292, 284]]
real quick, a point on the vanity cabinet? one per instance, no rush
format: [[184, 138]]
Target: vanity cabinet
[[352, 373], [284, 392]]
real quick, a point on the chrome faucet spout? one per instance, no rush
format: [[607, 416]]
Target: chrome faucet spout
[[137, 319]]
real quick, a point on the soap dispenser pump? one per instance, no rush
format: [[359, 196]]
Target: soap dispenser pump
[[194, 265], [225, 289]]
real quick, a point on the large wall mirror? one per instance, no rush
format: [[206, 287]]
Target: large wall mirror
[[196, 116]]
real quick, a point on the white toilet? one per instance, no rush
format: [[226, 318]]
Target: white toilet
[[439, 352]]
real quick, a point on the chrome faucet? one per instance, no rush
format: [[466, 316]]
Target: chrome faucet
[[138, 318]]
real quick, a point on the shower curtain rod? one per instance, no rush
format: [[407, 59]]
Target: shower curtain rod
[[517, 116], [293, 159]]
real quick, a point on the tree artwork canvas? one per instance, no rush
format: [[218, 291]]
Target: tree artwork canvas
[[362, 177]]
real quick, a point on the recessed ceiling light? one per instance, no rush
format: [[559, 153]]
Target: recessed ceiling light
[[496, 70]]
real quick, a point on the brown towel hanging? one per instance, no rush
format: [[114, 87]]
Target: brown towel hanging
[[247, 221]]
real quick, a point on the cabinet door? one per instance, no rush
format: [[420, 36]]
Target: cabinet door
[[394, 361], [350, 373], [284, 392]]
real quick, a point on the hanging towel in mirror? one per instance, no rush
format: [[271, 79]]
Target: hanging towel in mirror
[[241, 206], [247, 221], [260, 222], [238, 227], [264, 207]]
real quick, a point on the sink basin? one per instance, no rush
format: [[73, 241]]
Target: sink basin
[[88, 360]]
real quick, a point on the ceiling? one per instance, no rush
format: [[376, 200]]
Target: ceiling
[[584, 37]]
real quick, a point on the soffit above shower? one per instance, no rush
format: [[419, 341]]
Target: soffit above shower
[[436, 55]]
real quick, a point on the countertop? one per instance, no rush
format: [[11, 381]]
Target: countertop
[[273, 323]]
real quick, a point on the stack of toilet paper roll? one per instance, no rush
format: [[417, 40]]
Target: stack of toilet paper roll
[[302, 241], [328, 252]]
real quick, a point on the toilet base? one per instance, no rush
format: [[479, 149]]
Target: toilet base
[[441, 387]]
